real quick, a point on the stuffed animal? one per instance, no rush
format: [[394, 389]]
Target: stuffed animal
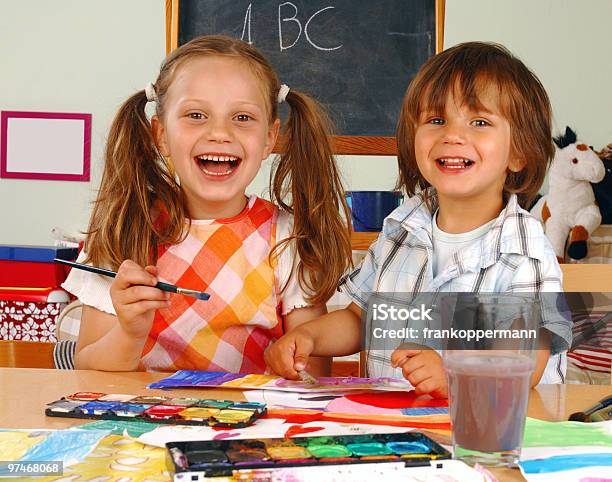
[[569, 207], [603, 189]]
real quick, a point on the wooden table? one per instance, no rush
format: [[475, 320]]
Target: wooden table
[[24, 393]]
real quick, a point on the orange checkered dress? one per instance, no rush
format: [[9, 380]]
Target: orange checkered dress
[[229, 332]]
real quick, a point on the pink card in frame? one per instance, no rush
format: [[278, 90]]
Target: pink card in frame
[[45, 145]]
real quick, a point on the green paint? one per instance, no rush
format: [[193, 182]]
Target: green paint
[[134, 428], [539, 433], [329, 451], [371, 448], [322, 440]]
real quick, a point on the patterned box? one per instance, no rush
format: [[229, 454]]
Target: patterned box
[[30, 315]]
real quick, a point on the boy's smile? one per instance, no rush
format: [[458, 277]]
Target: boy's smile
[[465, 154], [454, 165]]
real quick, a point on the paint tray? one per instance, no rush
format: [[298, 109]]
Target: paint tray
[[196, 460], [169, 410]]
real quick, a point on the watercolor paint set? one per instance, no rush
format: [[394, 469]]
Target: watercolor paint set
[[216, 458], [146, 408]]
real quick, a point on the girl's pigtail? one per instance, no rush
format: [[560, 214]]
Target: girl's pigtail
[[307, 171], [136, 187]]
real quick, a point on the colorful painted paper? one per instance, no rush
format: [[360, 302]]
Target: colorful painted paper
[[119, 459], [192, 378], [133, 428], [539, 433], [15, 443], [87, 455], [567, 451]]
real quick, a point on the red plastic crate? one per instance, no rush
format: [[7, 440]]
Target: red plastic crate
[[31, 273], [33, 266], [31, 314]]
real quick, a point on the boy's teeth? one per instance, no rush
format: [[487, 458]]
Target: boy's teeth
[[452, 163]]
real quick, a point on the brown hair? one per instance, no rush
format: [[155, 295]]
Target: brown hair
[[466, 70], [136, 179]]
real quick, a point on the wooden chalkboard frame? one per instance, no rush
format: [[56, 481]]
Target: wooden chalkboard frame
[[361, 145]]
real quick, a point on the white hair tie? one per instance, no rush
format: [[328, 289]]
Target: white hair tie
[[282, 93], [150, 92]]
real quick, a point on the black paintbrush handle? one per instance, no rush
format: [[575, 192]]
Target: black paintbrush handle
[[107, 272], [86, 267], [166, 287]]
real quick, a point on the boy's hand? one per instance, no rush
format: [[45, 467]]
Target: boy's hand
[[135, 298], [424, 369], [289, 354]]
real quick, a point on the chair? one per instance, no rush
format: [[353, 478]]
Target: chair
[[594, 278], [26, 354], [581, 278], [67, 333]]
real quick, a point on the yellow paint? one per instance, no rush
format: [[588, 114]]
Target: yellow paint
[[119, 459]]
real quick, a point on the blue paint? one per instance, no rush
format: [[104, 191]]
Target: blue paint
[[415, 447], [97, 407], [418, 411], [195, 378], [65, 445], [557, 463]]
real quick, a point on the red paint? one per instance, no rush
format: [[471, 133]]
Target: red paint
[[86, 396], [397, 399], [163, 412], [296, 430], [224, 435], [299, 417]]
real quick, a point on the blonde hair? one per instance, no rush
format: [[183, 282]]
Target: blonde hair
[[305, 180], [467, 70]]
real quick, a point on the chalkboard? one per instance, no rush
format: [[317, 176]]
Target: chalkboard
[[356, 57]]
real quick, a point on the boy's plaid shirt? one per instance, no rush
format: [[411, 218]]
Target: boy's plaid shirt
[[514, 256]]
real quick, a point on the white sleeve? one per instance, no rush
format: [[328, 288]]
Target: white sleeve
[[90, 288], [293, 296]]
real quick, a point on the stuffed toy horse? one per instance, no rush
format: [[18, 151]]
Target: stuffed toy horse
[[569, 207], [603, 189]]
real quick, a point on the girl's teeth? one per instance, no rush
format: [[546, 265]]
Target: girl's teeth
[[215, 173]]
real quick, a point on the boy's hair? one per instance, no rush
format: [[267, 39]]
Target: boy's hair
[[136, 179], [466, 71]]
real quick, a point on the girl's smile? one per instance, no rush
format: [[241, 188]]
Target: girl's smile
[[218, 165], [216, 129]]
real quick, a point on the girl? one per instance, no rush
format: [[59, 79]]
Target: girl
[[172, 199], [474, 141]]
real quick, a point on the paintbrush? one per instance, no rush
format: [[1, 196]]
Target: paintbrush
[[200, 295], [307, 377]]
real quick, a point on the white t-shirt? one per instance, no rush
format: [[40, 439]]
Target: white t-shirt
[[94, 289], [445, 245]]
